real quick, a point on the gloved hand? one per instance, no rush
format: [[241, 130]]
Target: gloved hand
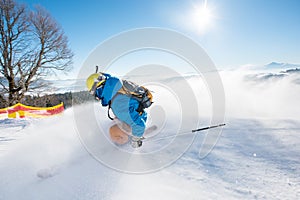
[[136, 142]]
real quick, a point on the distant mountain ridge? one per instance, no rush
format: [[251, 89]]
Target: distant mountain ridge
[[277, 65], [286, 70]]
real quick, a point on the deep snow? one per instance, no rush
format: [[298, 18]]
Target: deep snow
[[256, 157]]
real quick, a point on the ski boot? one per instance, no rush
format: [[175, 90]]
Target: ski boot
[[136, 142]]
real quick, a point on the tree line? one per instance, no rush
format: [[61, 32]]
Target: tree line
[[69, 99]]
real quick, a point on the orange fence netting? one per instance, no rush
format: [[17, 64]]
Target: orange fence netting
[[22, 111]]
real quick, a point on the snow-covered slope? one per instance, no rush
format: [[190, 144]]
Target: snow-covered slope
[[252, 160], [256, 157]]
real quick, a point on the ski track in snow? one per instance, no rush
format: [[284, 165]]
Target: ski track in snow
[[250, 161]]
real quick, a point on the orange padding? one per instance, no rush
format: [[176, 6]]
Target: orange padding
[[30, 111]]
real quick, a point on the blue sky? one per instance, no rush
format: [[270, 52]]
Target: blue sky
[[240, 31]]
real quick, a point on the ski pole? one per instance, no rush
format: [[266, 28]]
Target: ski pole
[[208, 127], [187, 132]]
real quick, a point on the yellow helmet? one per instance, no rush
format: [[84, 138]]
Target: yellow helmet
[[94, 81]]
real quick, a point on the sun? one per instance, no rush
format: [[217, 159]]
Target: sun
[[198, 17], [201, 17]]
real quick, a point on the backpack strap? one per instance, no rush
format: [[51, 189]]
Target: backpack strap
[[108, 114], [140, 109], [109, 106]]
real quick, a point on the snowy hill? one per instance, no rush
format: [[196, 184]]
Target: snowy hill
[[256, 157]]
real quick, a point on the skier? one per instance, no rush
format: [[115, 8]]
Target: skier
[[127, 109]]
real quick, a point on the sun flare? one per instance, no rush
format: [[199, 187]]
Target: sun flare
[[201, 17]]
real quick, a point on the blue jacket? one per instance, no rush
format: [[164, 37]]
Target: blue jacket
[[122, 106]]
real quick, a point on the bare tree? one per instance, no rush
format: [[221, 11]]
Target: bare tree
[[32, 46]]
